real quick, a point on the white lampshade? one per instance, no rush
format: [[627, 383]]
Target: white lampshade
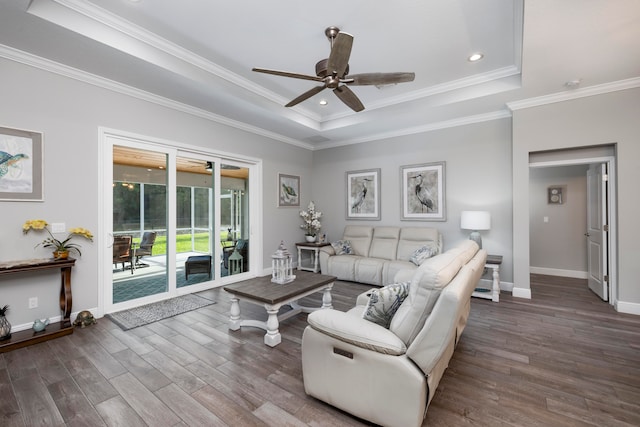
[[475, 220]]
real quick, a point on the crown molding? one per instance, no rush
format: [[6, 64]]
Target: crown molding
[[461, 121], [101, 82], [569, 95]]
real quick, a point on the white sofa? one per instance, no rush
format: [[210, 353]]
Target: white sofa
[[389, 376], [378, 252]]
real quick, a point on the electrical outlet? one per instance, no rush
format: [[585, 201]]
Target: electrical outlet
[[58, 227], [33, 302]]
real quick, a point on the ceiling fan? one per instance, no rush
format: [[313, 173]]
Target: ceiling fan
[[333, 72]]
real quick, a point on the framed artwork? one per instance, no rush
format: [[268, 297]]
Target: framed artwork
[[21, 175], [423, 192], [363, 194], [288, 190], [555, 195]]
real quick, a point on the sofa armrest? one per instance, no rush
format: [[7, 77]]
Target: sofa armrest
[[324, 254], [328, 249], [357, 331]]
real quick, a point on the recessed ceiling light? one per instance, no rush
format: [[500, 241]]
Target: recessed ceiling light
[[323, 102], [475, 57]]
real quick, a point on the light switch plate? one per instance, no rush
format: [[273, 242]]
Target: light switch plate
[[57, 227]]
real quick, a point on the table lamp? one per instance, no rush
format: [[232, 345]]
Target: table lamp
[[475, 221]]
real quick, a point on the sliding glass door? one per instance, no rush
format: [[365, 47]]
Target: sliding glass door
[[179, 222]]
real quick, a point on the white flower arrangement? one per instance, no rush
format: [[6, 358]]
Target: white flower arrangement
[[310, 220]]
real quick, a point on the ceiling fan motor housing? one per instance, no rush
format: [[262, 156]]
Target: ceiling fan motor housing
[[321, 68]]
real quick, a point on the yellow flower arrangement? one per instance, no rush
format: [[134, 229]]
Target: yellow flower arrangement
[[51, 242]]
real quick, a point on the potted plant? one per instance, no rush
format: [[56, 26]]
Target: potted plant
[[61, 248], [311, 222]]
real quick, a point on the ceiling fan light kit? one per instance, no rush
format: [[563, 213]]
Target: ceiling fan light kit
[[333, 73]]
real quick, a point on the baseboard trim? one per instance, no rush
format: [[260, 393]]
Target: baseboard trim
[[559, 272], [628, 307], [521, 292]]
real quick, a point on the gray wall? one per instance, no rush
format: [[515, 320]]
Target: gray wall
[[69, 113], [610, 118], [558, 246], [478, 177]]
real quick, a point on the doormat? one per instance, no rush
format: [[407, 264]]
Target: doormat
[[149, 313]]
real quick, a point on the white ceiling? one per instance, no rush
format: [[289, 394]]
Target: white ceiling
[[197, 56]]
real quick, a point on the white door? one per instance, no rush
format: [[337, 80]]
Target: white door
[[597, 234]]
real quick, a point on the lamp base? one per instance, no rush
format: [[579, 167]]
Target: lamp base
[[475, 236]]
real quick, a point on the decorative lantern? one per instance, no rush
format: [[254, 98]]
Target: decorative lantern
[[281, 266], [236, 262]]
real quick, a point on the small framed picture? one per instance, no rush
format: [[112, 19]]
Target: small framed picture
[[21, 173], [363, 194], [555, 195], [288, 190], [423, 192]]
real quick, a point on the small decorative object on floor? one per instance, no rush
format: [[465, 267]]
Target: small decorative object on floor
[[59, 246], [40, 325], [311, 222], [5, 326], [84, 318], [281, 266]]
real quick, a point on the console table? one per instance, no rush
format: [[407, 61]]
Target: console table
[[53, 330], [493, 262]]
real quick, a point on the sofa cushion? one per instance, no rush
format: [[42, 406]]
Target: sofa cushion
[[369, 270], [342, 247], [412, 238], [423, 253], [343, 267], [351, 328], [384, 302], [384, 243], [360, 238]]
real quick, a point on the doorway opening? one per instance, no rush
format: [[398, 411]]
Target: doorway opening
[[572, 230]]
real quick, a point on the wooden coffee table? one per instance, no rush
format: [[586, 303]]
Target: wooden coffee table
[[262, 291]]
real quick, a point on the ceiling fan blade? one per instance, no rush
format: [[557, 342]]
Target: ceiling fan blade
[[308, 94], [379, 79], [347, 96], [340, 53], [287, 74]]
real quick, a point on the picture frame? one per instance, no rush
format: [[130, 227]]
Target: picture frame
[[288, 190], [422, 188], [363, 194], [555, 195], [21, 151]]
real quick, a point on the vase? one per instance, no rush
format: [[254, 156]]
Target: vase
[[5, 328], [310, 239], [60, 254]]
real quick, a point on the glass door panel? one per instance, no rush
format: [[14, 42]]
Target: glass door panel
[[195, 221], [234, 219], [139, 224]]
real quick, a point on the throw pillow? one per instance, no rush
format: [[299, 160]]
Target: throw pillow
[[424, 253], [384, 302], [342, 247]]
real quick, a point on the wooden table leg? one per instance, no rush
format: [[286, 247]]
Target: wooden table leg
[[66, 299]]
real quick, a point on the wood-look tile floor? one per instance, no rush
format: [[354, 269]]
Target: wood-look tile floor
[[563, 358]]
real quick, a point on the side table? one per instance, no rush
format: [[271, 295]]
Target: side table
[[493, 262], [309, 263]]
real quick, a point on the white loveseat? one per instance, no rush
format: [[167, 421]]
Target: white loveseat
[[378, 253], [389, 376]]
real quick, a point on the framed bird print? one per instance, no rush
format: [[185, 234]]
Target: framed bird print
[[288, 190], [21, 165], [423, 192], [363, 194]]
